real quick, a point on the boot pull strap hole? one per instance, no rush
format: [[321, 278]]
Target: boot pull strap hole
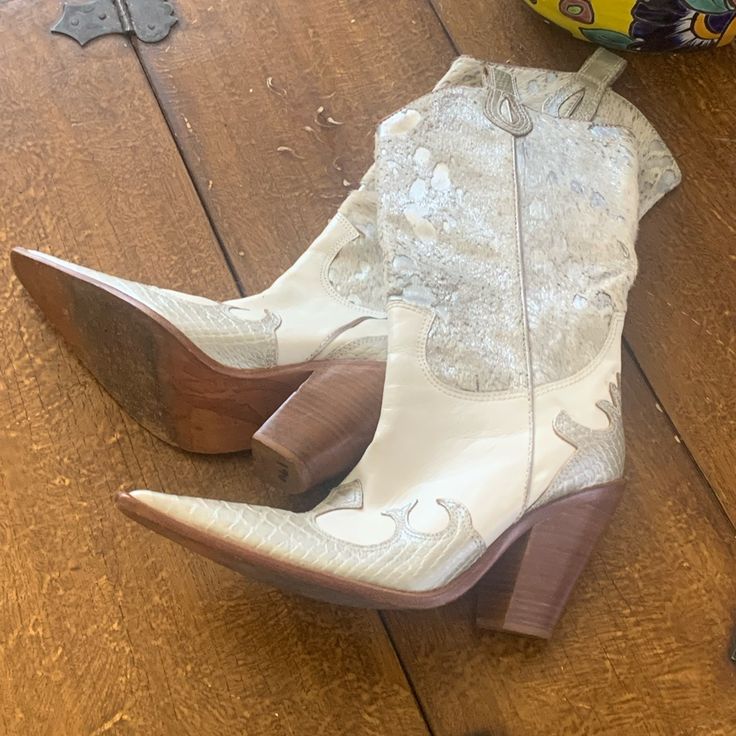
[[503, 107], [580, 97]]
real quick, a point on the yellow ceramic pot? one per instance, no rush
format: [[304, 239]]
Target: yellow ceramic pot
[[645, 25]]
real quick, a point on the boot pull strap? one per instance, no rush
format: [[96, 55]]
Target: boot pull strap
[[580, 97], [503, 106]]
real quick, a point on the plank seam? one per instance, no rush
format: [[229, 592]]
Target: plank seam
[[438, 14], [409, 681], [182, 155], [732, 522]]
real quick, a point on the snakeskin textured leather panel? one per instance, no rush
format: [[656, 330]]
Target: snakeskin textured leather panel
[[364, 348], [408, 560], [599, 453], [227, 334]]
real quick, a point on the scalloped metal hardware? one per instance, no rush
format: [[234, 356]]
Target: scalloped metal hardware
[[148, 20]]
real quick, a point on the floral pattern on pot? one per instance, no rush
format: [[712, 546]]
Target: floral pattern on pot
[[645, 25]]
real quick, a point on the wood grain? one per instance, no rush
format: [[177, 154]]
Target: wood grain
[[237, 86], [682, 316], [643, 646], [105, 628]]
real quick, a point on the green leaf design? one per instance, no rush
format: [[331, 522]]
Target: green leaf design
[[613, 39], [711, 6]]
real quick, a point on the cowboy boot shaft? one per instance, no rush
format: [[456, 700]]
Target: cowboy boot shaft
[[456, 198]]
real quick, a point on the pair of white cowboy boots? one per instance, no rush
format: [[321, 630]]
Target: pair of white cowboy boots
[[485, 263]]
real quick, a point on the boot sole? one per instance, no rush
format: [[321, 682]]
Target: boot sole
[[323, 413], [524, 578]]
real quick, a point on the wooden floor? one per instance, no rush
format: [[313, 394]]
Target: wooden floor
[[197, 164]]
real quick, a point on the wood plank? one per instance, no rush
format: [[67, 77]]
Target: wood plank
[[238, 85], [643, 646], [103, 626], [682, 316]]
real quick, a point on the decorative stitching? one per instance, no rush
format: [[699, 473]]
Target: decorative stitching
[[456, 521], [488, 396], [502, 92]]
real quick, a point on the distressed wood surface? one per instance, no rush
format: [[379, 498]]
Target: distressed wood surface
[[238, 86], [682, 317], [105, 628]]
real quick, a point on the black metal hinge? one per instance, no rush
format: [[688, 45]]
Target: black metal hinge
[[148, 20]]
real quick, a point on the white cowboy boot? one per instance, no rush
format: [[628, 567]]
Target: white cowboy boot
[[230, 366], [308, 353], [509, 236]]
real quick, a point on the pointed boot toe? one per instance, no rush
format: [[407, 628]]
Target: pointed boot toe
[[227, 533]]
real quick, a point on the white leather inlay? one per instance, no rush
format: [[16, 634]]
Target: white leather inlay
[[310, 311], [310, 318], [433, 442]]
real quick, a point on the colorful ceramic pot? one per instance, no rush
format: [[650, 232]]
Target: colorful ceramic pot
[[645, 25]]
